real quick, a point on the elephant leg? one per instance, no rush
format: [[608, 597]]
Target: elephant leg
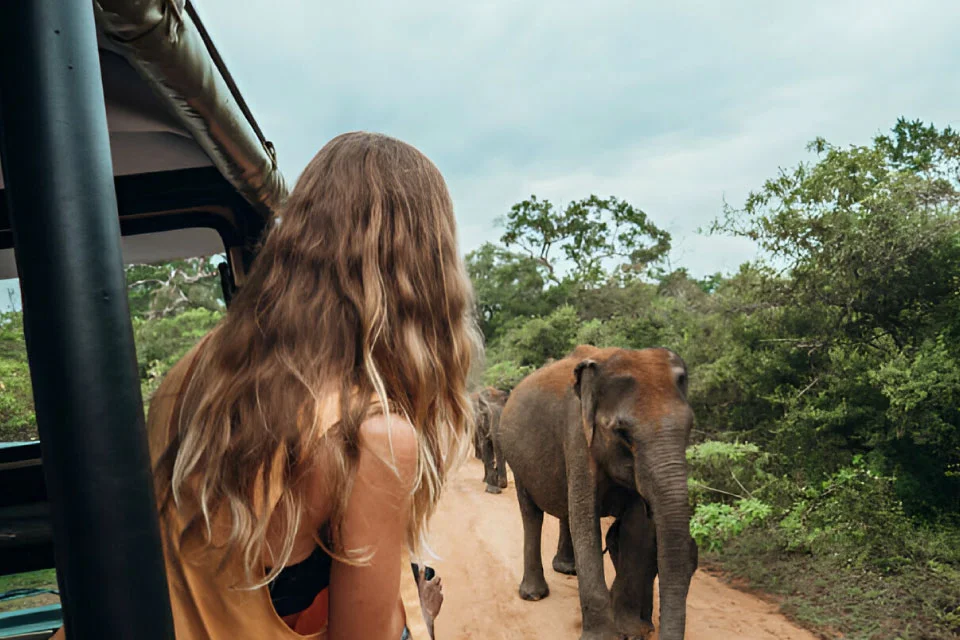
[[489, 466], [564, 562], [533, 586], [634, 552], [501, 463], [584, 519]]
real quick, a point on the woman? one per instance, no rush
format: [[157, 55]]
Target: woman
[[300, 448]]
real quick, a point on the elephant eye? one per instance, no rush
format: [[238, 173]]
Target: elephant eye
[[622, 430]]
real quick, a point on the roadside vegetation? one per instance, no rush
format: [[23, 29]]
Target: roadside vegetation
[[825, 465], [825, 375]]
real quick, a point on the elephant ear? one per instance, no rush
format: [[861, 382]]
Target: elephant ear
[[585, 375]]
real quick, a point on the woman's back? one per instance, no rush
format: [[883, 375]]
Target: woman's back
[[204, 601], [326, 408]]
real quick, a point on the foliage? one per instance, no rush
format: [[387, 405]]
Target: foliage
[[161, 290], [505, 374], [162, 341], [173, 305], [590, 234], [507, 286], [824, 376], [853, 513], [725, 471], [867, 231], [17, 419], [714, 523], [537, 340]]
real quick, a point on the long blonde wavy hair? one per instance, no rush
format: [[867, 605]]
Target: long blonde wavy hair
[[357, 288]]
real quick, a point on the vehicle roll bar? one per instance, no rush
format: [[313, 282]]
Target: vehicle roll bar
[[59, 183]]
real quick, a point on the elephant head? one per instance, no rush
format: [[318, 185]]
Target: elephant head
[[495, 396], [637, 423]]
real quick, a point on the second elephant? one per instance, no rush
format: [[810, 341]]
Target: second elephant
[[488, 405]]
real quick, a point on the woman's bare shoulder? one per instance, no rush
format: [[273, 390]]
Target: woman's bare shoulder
[[393, 440]]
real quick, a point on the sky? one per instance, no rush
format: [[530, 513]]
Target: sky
[[675, 107]]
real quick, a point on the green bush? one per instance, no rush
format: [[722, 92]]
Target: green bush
[[854, 514], [505, 375], [534, 341], [17, 418], [602, 334], [726, 471], [714, 523], [725, 480], [162, 341]]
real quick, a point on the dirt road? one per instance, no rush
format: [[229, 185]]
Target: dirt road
[[479, 539]]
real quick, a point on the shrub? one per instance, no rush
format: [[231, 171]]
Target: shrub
[[537, 340], [715, 523], [726, 471], [505, 375], [17, 418], [854, 514], [162, 341]]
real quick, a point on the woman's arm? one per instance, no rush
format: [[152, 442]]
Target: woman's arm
[[365, 600]]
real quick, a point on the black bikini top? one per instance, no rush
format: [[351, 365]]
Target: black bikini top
[[297, 586]]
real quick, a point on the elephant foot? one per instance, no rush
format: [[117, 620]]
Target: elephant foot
[[564, 566], [601, 627], [491, 488], [633, 627], [534, 590], [502, 482], [600, 635]]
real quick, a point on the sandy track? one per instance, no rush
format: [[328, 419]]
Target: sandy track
[[480, 541]]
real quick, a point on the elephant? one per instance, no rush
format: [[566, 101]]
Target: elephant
[[603, 432], [488, 404]]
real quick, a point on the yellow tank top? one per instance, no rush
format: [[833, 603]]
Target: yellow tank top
[[204, 605]]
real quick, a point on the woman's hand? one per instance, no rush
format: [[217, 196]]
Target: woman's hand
[[431, 594], [363, 598], [431, 598]]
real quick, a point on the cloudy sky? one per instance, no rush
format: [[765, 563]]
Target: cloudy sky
[[673, 108]]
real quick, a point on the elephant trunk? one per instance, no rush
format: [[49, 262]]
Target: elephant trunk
[[675, 547]]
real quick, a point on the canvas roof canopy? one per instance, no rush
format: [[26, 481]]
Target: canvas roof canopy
[[194, 176], [187, 153]]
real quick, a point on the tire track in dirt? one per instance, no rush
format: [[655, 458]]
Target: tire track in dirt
[[479, 538]]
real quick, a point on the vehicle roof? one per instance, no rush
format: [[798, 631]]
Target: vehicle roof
[[187, 152], [194, 176]]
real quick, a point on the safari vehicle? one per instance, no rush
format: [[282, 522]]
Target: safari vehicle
[[124, 140]]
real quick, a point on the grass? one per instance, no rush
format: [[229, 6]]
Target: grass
[[45, 579], [839, 600]]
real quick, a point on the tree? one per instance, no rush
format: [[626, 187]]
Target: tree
[[596, 236], [507, 285], [864, 311], [866, 231], [161, 290]]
